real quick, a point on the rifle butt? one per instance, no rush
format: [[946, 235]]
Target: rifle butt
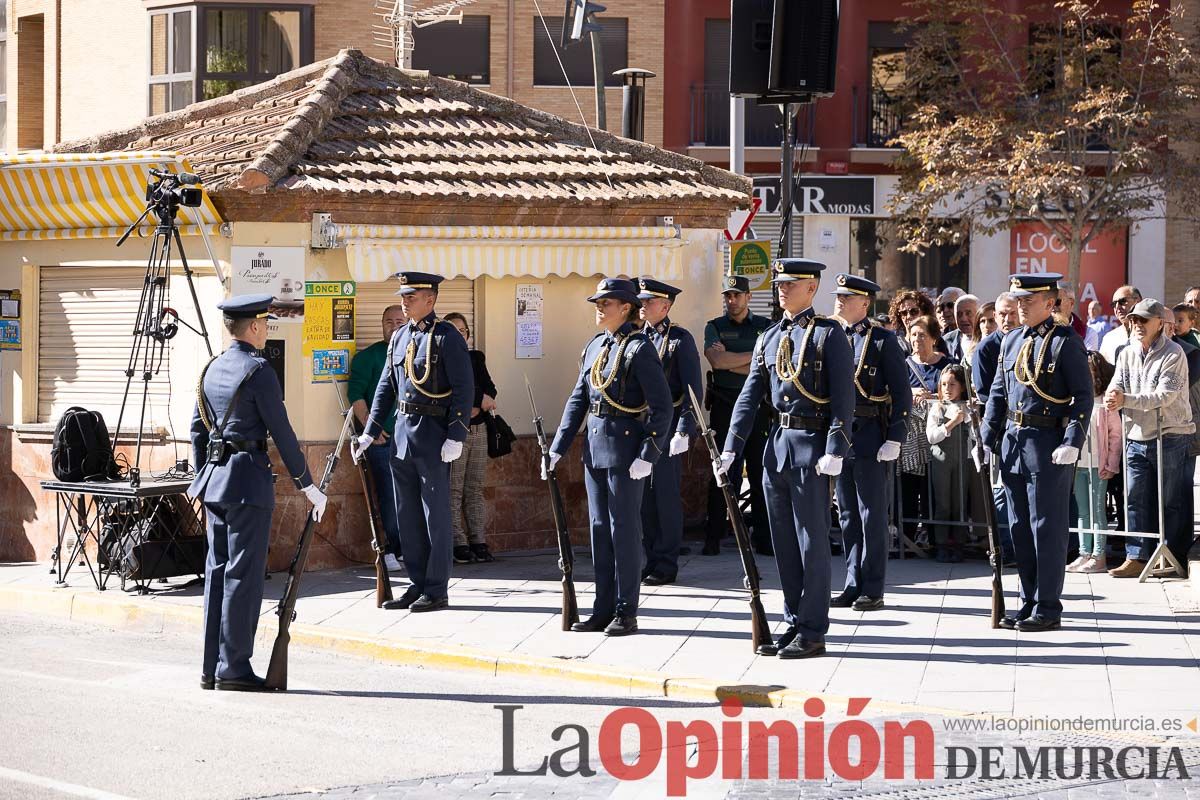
[[570, 606], [383, 586], [997, 599], [760, 632], [277, 670]]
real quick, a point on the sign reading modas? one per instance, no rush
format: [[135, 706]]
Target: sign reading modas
[[752, 260]]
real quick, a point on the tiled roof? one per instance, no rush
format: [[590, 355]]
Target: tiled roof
[[353, 125]]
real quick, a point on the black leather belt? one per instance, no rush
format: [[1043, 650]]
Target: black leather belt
[[803, 422], [424, 409], [219, 449], [1036, 420], [599, 408], [869, 410], [247, 445]]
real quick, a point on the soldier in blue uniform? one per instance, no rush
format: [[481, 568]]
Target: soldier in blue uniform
[[804, 364], [883, 400], [1036, 422], [238, 404], [662, 509], [624, 397], [427, 379]]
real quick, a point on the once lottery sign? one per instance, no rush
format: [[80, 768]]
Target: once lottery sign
[[752, 260]]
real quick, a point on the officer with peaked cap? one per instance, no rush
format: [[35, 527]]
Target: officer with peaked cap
[[428, 381], [1036, 422], [623, 399], [728, 342], [662, 509], [882, 403], [239, 404], [804, 364]]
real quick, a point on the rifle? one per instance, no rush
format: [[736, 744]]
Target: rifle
[[383, 586], [995, 556], [760, 631], [277, 670], [566, 556]]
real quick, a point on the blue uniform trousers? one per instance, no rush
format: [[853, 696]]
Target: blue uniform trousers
[[862, 496], [379, 461], [662, 517], [614, 513], [233, 585], [422, 488], [1038, 522], [798, 510]]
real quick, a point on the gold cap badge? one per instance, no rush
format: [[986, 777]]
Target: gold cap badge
[[1015, 283], [731, 281], [779, 266], [841, 280], [403, 279]]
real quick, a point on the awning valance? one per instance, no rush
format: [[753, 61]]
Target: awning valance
[[87, 195], [375, 252]]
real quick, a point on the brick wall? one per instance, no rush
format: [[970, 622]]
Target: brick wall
[[31, 88], [89, 101], [1183, 238]]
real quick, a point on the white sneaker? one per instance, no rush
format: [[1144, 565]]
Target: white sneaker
[[391, 563]]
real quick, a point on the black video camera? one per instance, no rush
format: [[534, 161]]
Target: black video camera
[[174, 189]]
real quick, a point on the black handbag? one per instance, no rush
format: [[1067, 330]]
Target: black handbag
[[500, 436]]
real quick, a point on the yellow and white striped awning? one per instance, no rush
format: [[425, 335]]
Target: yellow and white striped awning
[[87, 195], [376, 252]]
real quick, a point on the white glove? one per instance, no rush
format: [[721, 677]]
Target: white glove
[[680, 444], [451, 450], [318, 500], [829, 465], [640, 469], [725, 463], [1065, 454], [888, 451], [980, 458], [361, 444], [554, 459]]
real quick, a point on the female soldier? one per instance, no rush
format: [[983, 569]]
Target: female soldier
[[624, 390]]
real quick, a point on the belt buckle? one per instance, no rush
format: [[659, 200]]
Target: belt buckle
[[215, 450], [1020, 418], [594, 408], [785, 419]]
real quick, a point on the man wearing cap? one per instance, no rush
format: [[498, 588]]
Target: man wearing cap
[[427, 380], [623, 399], [803, 364], [239, 403], [728, 342], [1150, 389], [883, 400], [662, 511], [1036, 421]]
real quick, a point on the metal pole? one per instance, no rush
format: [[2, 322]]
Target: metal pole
[[785, 183], [737, 135]]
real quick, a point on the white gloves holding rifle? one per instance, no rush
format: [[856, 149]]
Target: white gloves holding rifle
[[554, 459], [722, 467], [318, 500]]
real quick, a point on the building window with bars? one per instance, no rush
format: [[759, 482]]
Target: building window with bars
[[457, 50], [577, 59]]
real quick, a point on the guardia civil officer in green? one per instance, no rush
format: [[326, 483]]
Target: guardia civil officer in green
[[1036, 422], [728, 341], [623, 399], [428, 381], [882, 403], [662, 509], [804, 366], [238, 405]]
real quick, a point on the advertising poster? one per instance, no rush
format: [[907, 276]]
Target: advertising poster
[[752, 260], [329, 327], [529, 320], [1102, 267], [277, 271]]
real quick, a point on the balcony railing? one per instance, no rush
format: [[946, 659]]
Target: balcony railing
[[710, 120], [884, 119]]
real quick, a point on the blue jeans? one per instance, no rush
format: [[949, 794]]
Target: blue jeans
[[379, 460], [1143, 500]]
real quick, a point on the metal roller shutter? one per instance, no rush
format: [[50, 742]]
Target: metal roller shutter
[[766, 226], [456, 294], [85, 331]]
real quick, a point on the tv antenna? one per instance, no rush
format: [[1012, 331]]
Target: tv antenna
[[401, 16]]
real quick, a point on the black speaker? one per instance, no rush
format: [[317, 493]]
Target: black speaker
[[750, 46], [803, 47]]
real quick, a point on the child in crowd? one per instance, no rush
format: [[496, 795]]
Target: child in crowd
[[1185, 324], [950, 443], [1098, 462]]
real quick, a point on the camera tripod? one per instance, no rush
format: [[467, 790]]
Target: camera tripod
[[157, 322]]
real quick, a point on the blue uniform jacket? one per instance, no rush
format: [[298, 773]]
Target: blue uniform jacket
[[447, 383], [243, 477], [1064, 375], [984, 361], [826, 372], [681, 363], [614, 442], [880, 373]]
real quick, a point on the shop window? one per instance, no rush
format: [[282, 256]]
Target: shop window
[[577, 59], [876, 255], [461, 51]]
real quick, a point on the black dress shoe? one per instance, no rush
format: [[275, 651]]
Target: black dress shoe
[[593, 624], [1011, 621], [622, 625], [481, 552], [783, 641], [864, 603], [843, 600], [207, 681], [802, 648], [250, 683], [712, 547], [1037, 623], [405, 600], [654, 579], [427, 603]]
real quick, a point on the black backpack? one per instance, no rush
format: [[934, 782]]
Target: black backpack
[[82, 450]]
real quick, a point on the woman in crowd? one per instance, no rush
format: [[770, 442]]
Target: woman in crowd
[[1099, 462], [468, 471], [907, 305], [985, 323], [950, 440], [925, 364]]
